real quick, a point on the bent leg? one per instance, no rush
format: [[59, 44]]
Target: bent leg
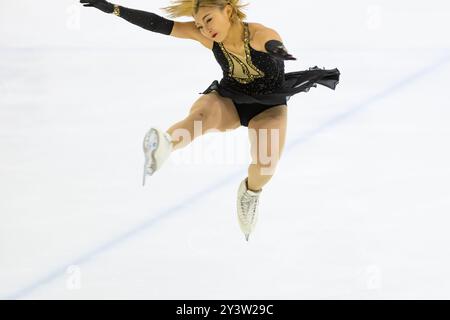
[[267, 133]]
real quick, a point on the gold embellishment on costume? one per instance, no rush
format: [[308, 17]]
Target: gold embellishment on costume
[[116, 10], [248, 76]]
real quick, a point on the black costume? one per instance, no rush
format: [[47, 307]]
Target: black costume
[[255, 82], [258, 82]]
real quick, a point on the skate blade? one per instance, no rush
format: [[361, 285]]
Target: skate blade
[[147, 172], [144, 176], [151, 143]]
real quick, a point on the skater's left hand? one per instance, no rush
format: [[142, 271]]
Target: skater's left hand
[[102, 5], [276, 49]]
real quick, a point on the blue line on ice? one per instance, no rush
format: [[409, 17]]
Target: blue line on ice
[[92, 254]]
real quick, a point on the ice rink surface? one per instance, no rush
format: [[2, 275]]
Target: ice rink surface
[[358, 208]]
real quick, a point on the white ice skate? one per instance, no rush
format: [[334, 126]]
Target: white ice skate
[[247, 208], [157, 147]]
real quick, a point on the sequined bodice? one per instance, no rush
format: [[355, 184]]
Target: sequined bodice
[[256, 73]]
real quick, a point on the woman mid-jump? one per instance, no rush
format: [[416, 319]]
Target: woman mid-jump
[[253, 92]]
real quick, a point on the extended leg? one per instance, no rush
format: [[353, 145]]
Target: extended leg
[[209, 112]]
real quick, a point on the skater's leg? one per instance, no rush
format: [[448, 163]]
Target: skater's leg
[[210, 111], [267, 133]]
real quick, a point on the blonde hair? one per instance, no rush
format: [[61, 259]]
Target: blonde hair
[[187, 8]]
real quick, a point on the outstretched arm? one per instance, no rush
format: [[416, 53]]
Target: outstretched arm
[[147, 20]]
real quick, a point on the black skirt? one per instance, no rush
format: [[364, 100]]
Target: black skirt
[[295, 82]]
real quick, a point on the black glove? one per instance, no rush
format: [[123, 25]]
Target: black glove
[[276, 49], [103, 5]]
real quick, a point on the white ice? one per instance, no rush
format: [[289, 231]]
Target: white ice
[[358, 208]]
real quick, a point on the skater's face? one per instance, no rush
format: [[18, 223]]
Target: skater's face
[[213, 22]]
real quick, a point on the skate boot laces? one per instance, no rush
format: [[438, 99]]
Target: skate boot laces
[[249, 205]]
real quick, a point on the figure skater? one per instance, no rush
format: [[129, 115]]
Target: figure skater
[[253, 92]]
